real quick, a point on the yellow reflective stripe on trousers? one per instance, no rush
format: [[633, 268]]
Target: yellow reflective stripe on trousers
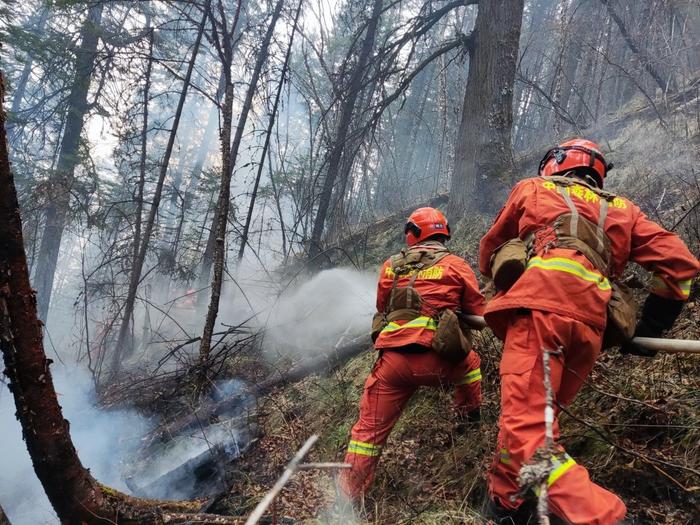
[[560, 467], [685, 287], [561, 264], [364, 449], [419, 322], [505, 456], [471, 377]]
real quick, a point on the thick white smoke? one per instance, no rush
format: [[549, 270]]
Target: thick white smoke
[[312, 317]]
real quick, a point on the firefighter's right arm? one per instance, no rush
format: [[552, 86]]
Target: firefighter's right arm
[[504, 228], [674, 267]]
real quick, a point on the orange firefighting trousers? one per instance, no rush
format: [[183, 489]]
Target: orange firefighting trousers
[[390, 385], [572, 495]]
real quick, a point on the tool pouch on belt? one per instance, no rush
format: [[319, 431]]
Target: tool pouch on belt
[[452, 339], [508, 263], [379, 322]]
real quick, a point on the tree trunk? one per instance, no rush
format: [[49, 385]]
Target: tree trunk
[[63, 177], [195, 174], [268, 134], [228, 162], [644, 59], [21, 87], [484, 145], [346, 113], [143, 156], [137, 269]]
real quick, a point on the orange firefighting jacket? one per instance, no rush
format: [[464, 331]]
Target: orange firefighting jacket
[[562, 280], [449, 283]]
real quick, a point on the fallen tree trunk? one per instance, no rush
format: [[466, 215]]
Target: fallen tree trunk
[[75, 495], [209, 412]]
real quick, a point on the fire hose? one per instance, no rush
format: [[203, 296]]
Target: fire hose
[[669, 346]]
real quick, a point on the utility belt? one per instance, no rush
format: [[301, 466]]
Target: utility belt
[[452, 337], [574, 232]]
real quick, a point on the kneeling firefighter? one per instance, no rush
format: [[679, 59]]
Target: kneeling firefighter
[[420, 339], [555, 252]]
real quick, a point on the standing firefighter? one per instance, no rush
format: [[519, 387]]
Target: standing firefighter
[[555, 252], [420, 339]]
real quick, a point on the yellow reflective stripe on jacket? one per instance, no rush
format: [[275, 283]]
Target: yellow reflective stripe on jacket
[[561, 264], [419, 322], [471, 377], [364, 449], [659, 284]]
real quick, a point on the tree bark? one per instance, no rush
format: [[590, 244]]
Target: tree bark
[[484, 144], [63, 177], [347, 109], [74, 494], [228, 162], [137, 269], [268, 134]]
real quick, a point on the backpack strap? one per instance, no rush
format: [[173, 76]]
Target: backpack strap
[[572, 207], [601, 225]]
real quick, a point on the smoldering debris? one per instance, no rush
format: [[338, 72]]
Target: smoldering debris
[[192, 465]]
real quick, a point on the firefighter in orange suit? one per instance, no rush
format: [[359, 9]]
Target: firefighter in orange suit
[[559, 303], [406, 360]]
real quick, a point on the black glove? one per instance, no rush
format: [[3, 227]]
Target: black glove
[[658, 315]]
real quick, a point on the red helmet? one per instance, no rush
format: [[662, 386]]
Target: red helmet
[[424, 223], [572, 154]]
